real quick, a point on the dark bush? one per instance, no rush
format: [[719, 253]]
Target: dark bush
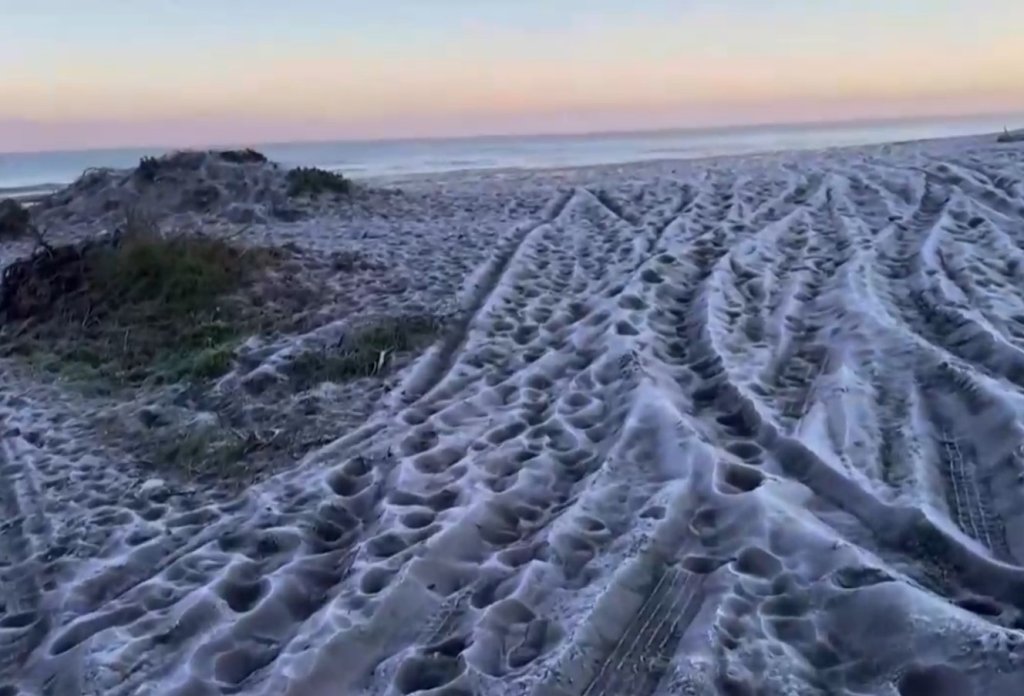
[[184, 160], [133, 307], [246, 156], [180, 161], [15, 220], [312, 181], [148, 168]]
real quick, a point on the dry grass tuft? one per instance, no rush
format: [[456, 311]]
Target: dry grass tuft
[[367, 351]]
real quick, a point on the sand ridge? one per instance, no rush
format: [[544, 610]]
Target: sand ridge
[[724, 427]]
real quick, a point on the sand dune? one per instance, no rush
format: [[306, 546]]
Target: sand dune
[[740, 426]]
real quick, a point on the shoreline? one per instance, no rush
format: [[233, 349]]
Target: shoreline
[[33, 191], [460, 174]]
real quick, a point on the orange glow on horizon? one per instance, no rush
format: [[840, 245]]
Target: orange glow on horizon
[[703, 69]]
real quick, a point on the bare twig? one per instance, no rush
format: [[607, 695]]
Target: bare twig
[[40, 241], [237, 233]]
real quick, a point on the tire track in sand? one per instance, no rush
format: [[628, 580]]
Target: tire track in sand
[[22, 627], [973, 514], [643, 654], [441, 360]]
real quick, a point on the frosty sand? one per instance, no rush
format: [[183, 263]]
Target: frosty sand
[[715, 427]]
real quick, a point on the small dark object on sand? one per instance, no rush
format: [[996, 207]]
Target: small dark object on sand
[[1008, 136], [202, 197], [286, 214], [14, 219]]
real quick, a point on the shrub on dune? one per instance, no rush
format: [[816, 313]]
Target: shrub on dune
[[368, 350], [312, 181], [148, 168], [246, 156], [136, 307], [14, 219]]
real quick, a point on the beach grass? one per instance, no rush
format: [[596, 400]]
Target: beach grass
[[367, 351], [141, 307], [146, 308]]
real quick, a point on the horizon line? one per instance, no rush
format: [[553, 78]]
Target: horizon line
[[541, 134]]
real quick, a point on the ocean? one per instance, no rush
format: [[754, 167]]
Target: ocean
[[25, 174]]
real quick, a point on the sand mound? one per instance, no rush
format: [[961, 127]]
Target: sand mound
[[239, 186], [729, 427]]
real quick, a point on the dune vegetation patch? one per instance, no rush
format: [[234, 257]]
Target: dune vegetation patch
[[150, 168], [210, 453], [367, 351], [15, 220], [313, 182], [133, 308], [155, 319]]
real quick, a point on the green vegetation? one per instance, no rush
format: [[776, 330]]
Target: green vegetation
[[211, 363], [151, 318], [15, 220], [209, 452], [209, 447], [145, 308], [368, 351], [311, 181], [137, 308]]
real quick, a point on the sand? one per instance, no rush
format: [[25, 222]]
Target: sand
[[735, 426]]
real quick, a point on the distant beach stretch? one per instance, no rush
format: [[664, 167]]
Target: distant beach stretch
[[729, 426], [28, 174]]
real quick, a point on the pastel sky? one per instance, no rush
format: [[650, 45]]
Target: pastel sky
[[101, 73]]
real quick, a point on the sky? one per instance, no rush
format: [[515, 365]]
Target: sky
[[108, 73]]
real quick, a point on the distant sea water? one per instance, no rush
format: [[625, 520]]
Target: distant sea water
[[26, 174]]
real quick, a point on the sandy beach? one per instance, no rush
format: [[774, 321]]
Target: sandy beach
[[727, 426]]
